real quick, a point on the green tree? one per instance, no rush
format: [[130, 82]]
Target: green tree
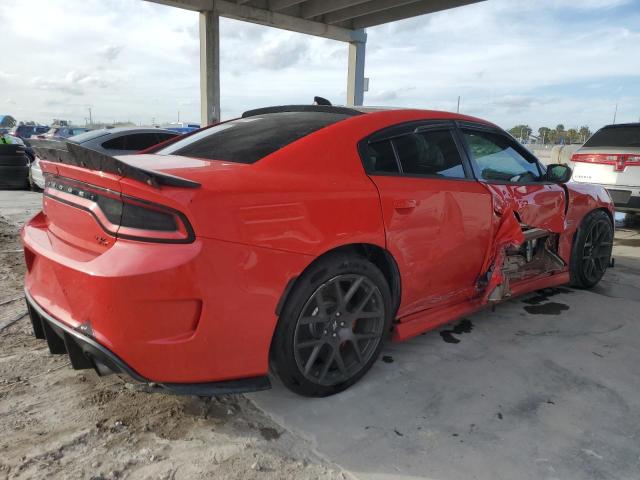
[[585, 133], [543, 132], [521, 132], [573, 136]]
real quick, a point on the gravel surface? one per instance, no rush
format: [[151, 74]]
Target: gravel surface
[[61, 423]]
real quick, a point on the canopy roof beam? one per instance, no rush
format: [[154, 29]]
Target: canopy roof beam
[[342, 20]]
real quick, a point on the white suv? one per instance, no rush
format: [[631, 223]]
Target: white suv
[[611, 158]]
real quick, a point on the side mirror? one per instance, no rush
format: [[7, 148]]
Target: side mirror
[[558, 173]]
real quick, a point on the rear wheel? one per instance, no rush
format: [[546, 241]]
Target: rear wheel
[[592, 250], [333, 326]]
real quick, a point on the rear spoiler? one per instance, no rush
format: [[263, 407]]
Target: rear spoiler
[[71, 153]]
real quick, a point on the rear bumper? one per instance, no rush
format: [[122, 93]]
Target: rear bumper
[[626, 199], [85, 353], [192, 313]]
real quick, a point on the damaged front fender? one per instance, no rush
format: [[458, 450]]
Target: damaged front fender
[[528, 220]]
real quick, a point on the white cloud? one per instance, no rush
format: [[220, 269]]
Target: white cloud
[[110, 52], [549, 61], [281, 52]]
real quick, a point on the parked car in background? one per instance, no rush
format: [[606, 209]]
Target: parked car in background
[[111, 141], [27, 131], [182, 127], [122, 140], [299, 237], [59, 133], [611, 157]]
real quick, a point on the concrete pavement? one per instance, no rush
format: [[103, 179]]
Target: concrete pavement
[[545, 387], [16, 206]]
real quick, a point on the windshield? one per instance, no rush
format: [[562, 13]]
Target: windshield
[[247, 140], [616, 136]]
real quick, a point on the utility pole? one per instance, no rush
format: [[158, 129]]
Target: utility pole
[[90, 117], [615, 114], [458, 110]]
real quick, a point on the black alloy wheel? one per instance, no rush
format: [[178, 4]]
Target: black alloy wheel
[[339, 329], [592, 250], [332, 326]]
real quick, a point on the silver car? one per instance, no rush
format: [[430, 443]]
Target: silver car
[[113, 141]]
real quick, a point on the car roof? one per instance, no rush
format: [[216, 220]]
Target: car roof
[[622, 125], [113, 131], [363, 110]]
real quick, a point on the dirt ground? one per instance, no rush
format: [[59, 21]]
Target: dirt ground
[[61, 423]]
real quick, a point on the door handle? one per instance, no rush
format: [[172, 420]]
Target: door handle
[[408, 204]]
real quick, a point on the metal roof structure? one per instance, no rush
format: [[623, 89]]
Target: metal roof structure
[[342, 20]]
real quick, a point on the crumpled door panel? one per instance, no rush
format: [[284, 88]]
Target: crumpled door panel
[[516, 209]]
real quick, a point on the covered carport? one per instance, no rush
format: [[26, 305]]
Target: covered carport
[[341, 20]]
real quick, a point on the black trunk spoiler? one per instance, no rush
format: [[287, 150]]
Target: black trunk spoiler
[[71, 153]]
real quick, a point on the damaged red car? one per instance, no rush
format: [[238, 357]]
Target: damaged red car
[[296, 239]]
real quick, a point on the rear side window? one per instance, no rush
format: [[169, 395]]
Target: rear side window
[[90, 135], [382, 157], [622, 136], [163, 137], [429, 153], [133, 142], [247, 140]]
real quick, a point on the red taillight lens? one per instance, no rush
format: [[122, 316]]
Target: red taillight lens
[[619, 162], [120, 215], [603, 159]]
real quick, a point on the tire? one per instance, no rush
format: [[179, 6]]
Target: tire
[[333, 325], [592, 248]]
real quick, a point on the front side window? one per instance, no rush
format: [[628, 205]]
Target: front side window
[[496, 159]]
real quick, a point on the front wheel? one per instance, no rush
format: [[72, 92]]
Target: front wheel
[[333, 325], [592, 250]]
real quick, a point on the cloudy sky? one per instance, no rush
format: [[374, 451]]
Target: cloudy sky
[[539, 62]]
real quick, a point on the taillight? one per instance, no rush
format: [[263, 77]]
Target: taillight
[[619, 162], [600, 158], [121, 215]]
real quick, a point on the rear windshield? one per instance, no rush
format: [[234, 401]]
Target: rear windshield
[[626, 136], [247, 140]]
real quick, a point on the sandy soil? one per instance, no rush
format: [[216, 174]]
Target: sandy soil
[[61, 423]]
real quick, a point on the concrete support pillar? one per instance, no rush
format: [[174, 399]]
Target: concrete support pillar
[[209, 67], [355, 75]]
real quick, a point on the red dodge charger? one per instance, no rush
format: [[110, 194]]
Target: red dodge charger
[[296, 238]]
